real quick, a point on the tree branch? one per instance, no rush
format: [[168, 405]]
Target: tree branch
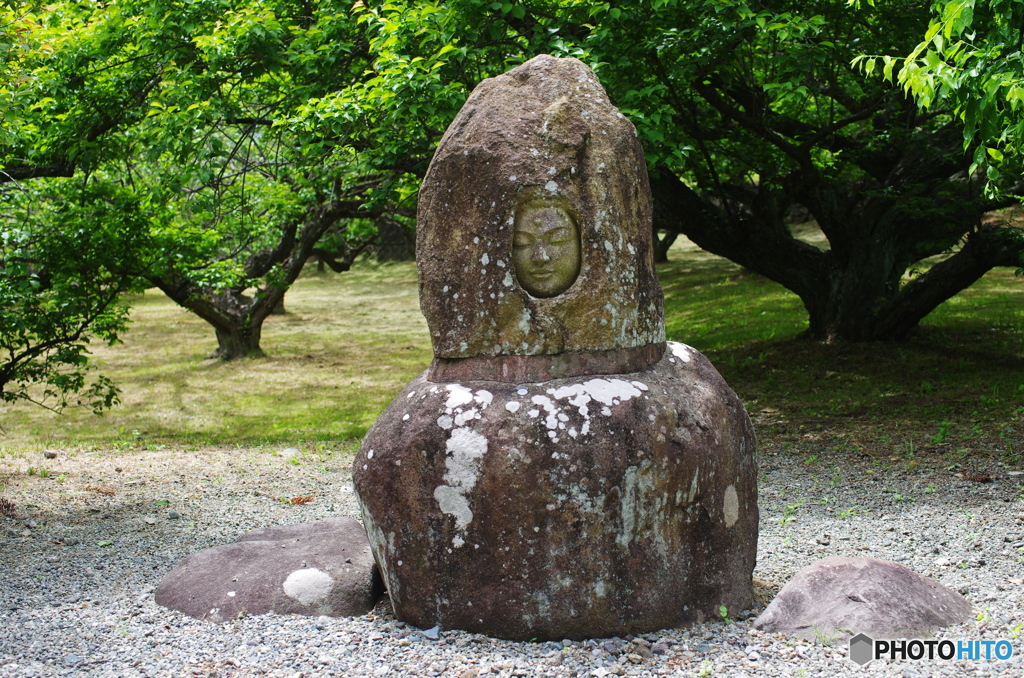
[[986, 248], [745, 240]]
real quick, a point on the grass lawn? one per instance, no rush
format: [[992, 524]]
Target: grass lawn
[[350, 342]]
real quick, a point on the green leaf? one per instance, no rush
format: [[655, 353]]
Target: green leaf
[[887, 68]]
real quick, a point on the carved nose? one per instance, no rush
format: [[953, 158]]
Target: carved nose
[[541, 252]]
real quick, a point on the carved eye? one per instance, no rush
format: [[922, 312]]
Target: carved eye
[[558, 236], [521, 240]]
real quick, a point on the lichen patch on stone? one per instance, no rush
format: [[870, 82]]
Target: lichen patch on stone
[[681, 351], [459, 395], [466, 449], [308, 585], [730, 506]]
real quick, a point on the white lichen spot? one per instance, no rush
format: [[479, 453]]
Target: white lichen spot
[[610, 391], [513, 178], [405, 417], [608, 246], [507, 282], [458, 396], [444, 421], [452, 501], [551, 421], [730, 506], [681, 351], [500, 263], [484, 260], [466, 449], [369, 455], [458, 541], [513, 406], [308, 585], [483, 398], [524, 321], [462, 418], [637, 484], [476, 240], [551, 187], [522, 391], [533, 413]]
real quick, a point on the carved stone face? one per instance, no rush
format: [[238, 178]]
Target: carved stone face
[[545, 249]]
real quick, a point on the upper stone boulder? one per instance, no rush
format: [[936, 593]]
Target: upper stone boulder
[[534, 225]]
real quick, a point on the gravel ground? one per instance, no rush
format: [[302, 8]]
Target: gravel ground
[[92, 538]]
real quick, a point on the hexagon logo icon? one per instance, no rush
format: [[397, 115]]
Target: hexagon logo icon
[[862, 649]]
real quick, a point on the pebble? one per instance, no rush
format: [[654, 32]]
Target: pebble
[[71, 607]]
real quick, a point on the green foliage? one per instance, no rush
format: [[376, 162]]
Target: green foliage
[[970, 62], [234, 134], [65, 259]]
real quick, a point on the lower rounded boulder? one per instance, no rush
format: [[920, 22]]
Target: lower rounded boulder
[[838, 597], [317, 568], [572, 508]]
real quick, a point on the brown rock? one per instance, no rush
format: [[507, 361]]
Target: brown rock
[[572, 508], [839, 597], [318, 568], [541, 144]]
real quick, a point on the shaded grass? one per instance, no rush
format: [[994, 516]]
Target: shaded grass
[[350, 343], [957, 381]]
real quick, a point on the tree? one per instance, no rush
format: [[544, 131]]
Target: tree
[[199, 111], [747, 109], [248, 187], [68, 250]]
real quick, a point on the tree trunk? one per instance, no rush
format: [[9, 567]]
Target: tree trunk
[[662, 244], [237, 318], [240, 341], [853, 291]]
